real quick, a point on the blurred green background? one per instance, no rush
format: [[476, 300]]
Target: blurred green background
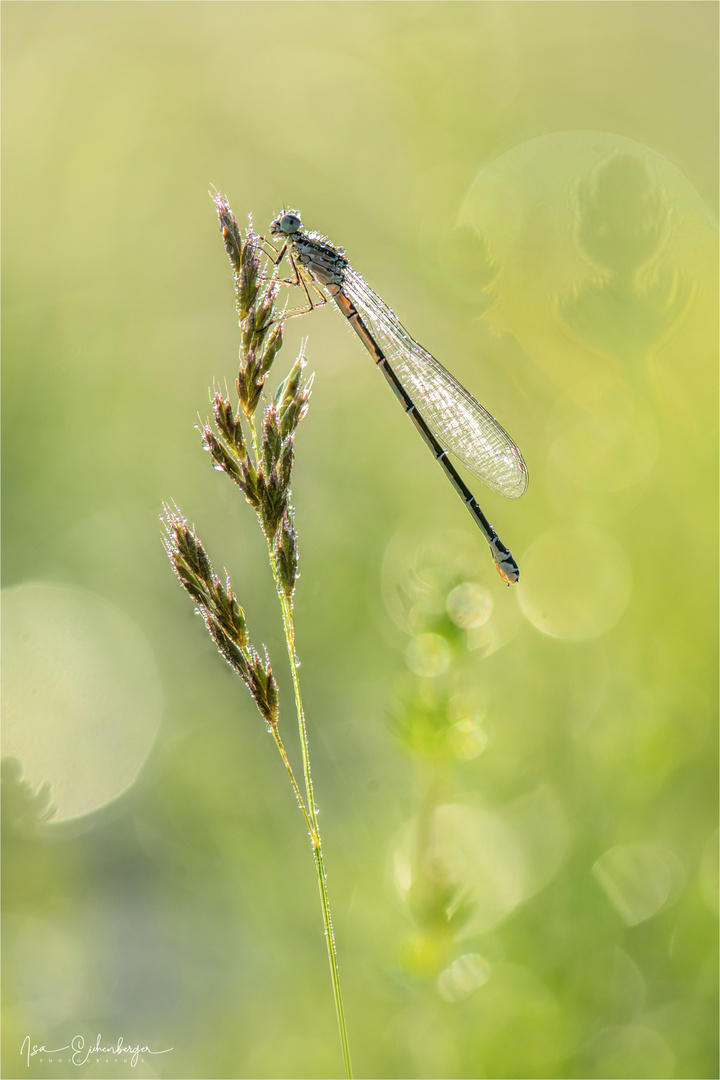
[[517, 787]]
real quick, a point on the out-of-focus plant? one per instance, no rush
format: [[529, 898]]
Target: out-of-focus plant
[[435, 722], [261, 465]]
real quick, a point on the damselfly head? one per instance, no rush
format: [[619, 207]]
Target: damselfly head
[[285, 224]]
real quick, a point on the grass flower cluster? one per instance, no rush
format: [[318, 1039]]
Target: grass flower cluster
[[260, 463]]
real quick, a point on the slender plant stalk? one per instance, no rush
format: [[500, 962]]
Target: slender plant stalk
[[262, 470], [310, 813], [315, 834]]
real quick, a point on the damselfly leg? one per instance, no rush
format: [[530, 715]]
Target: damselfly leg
[[304, 281]]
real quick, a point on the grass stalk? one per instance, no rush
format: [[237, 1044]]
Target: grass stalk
[[309, 809], [316, 840], [261, 467]]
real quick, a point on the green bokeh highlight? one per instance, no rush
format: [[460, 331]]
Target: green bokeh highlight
[[517, 788]]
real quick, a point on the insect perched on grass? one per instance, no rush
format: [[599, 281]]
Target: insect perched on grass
[[447, 416]]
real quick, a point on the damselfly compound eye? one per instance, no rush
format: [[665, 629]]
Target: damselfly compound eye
[[290, 223]]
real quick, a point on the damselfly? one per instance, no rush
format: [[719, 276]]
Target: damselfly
[[447, 416]]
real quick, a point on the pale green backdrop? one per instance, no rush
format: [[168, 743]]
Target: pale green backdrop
[[517, 787]]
